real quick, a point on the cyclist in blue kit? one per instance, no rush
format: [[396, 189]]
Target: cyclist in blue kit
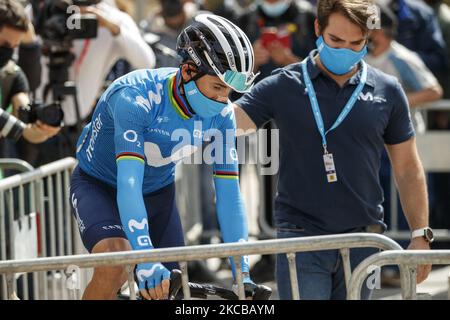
[[122, 190]]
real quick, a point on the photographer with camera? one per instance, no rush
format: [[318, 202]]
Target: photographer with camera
[[104, 35], [14, 29], [82, 40]]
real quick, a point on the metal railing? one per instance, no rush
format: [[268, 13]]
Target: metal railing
[[36, 221], [342, 242], [408, 260], [15, 164]]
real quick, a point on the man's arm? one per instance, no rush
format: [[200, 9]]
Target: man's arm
[[419, 98], [244, 124], [411, 183], [133, 48], [256, 107], [130, 121], [229, 205], [129, 125], [103, 20]]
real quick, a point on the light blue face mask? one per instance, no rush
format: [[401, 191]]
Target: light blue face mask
[[339, 61], [203, 106], [275, 9]]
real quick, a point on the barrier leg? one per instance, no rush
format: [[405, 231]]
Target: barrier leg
[[345, 254], [185, 280], [238, 268], [10, 285], [405, 281], [130, 272], [409, 293], [293, 276], [448, 292]]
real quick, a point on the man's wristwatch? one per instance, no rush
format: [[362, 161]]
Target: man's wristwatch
[[426, 233]]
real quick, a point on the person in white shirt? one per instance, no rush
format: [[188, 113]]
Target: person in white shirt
[[386, 54], [118, 37]]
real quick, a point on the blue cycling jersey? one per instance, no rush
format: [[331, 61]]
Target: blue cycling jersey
[[148, 127], [141, 128]]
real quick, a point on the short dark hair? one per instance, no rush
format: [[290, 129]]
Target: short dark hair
[[12, 14], [357, 11], [171, 8]]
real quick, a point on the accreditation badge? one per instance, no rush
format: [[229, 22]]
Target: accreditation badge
[[330, 169]]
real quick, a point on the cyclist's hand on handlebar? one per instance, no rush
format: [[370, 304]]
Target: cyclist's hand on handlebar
[[254, 291], [153, 280], [249, 288]]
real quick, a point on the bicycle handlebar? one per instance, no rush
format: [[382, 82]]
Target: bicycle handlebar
[[198, 290]]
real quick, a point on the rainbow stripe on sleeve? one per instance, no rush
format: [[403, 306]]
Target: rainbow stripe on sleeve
[[130, 156], [226, 175]]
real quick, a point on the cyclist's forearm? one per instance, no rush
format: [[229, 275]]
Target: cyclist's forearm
[[131, 203], [231, 214]]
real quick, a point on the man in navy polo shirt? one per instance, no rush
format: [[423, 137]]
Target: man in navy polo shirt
[[335, 114]]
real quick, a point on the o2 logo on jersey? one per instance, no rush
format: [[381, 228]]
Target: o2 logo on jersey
[[131, 136], [133, 224], [144, 241]]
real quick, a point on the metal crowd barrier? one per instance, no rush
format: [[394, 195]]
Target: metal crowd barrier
[[408, 260], [15, 164], [342, 242], [36, 221]]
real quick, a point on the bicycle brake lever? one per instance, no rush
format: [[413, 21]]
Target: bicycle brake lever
[[175, 283], [262, 293]]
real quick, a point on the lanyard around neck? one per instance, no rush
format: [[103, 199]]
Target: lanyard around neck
[[315, 105]]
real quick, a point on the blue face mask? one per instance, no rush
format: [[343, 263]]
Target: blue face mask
[[275, 9], [203, 106], [339, 61]]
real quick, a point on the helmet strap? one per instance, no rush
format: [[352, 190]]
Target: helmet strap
[[194, 78]]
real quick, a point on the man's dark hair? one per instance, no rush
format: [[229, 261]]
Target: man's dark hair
[[357, 11], [171, 8], [12, 14]]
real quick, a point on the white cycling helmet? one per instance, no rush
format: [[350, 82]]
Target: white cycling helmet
[[218, 47]]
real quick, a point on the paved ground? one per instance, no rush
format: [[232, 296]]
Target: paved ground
[[436, 287]]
